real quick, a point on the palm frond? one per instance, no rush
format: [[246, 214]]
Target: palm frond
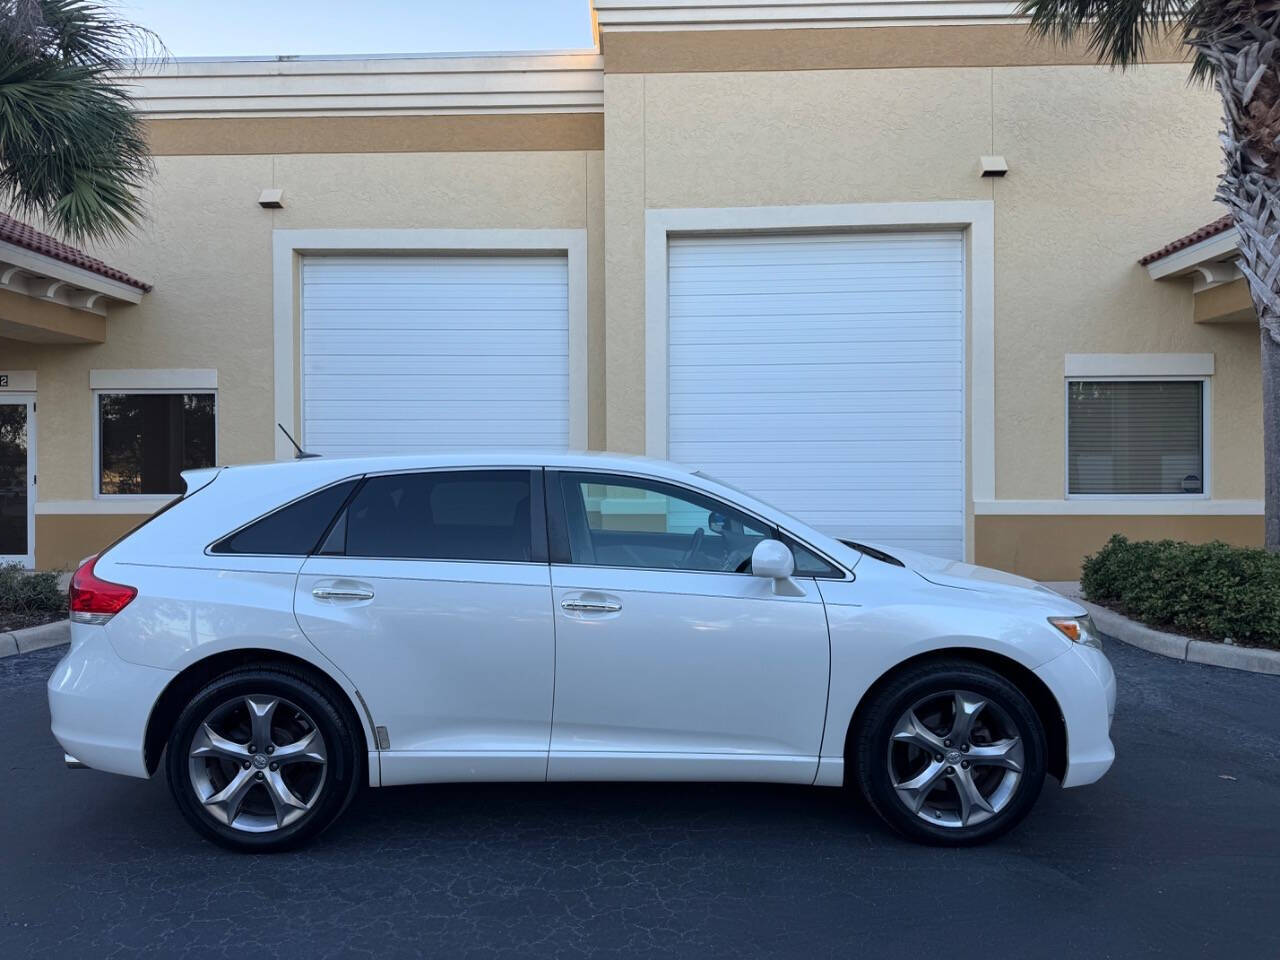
[[1114, 31], [77, 31], [72, 148], [88, 34]]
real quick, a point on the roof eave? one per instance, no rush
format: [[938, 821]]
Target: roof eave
[[1218, 247], [16, 257]]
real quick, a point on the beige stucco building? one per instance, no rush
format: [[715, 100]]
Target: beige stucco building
[[756, 239]]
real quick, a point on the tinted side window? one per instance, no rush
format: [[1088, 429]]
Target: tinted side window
[[455, 515], [633, 522], [293, 530]]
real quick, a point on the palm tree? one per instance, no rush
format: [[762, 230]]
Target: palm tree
[[1235, 46], [72, 150]]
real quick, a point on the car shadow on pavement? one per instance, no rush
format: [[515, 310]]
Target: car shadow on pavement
[[582, 811]]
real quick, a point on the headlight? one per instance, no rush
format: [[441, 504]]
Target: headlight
[[1078, 630]]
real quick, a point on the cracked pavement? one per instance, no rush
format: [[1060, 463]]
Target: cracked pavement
[[1165, 856]]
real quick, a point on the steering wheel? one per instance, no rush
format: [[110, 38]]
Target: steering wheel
[[694, 544]]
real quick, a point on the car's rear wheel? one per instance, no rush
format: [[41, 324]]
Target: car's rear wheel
[[950, 753], [262, 759]]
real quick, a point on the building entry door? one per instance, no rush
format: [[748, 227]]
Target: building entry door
[[17, 479]]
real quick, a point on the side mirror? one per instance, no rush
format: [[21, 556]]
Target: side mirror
[[773, 559]]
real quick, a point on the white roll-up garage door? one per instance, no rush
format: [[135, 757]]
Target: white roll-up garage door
[[825, 374], [412, 354]]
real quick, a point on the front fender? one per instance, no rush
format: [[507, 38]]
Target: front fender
[[875, 627]]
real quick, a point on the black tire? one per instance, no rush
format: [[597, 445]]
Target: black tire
[[332, 788], [873, 741]]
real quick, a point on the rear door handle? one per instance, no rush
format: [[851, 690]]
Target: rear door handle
[[590, 606], [342, 593]]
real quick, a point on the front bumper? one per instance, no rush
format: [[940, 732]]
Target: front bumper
[[1085, 686], [99, 704]]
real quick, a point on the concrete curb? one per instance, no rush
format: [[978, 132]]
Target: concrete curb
[[1183, 648], [1136, 634], [35, 638]]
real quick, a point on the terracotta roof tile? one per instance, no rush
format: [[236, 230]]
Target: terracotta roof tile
[[29, 238], [1221, 225]]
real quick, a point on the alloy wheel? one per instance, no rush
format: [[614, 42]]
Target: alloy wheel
[[955, 758], [257, 763]]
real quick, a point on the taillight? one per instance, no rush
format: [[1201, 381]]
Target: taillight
[[93, 600]]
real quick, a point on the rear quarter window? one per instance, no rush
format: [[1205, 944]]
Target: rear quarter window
[[293, 530]]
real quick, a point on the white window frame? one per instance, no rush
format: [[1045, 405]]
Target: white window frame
[[1206, 420], [290, 246], [131, 382]]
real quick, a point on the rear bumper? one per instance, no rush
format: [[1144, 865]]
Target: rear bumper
[[1085, 686], [99, 704]]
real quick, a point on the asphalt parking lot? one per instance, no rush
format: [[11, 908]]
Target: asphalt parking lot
[[1175, 853]]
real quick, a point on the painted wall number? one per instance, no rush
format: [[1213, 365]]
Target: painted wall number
[[4, 379]]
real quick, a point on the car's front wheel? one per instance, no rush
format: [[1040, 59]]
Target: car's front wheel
[[262, 759], [950, 752]]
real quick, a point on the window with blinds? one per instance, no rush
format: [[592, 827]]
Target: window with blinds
[[1135, 437]]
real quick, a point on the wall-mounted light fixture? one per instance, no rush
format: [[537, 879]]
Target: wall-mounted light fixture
[[271, 199]]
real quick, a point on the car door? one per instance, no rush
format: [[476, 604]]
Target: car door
[[672, 662], [432, 593]]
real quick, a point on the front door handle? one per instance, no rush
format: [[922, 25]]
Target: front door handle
[[590, 606], [342, 593]]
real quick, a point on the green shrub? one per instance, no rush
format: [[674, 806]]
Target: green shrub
[[1211, 590], [22, 591]]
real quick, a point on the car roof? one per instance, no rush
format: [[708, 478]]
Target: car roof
[[592, 459]]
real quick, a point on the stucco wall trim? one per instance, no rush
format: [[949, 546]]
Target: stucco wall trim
[[1138, 365], [975, 217], [864, 45], [63, 540], [499, 83], [19, 381], [289, 246], [639, 13], [1229, 302], [435, 133], [34, 319], [153, 379], [1121, 507], [1018, 543]]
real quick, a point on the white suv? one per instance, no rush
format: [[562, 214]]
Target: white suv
[[285, 633]]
